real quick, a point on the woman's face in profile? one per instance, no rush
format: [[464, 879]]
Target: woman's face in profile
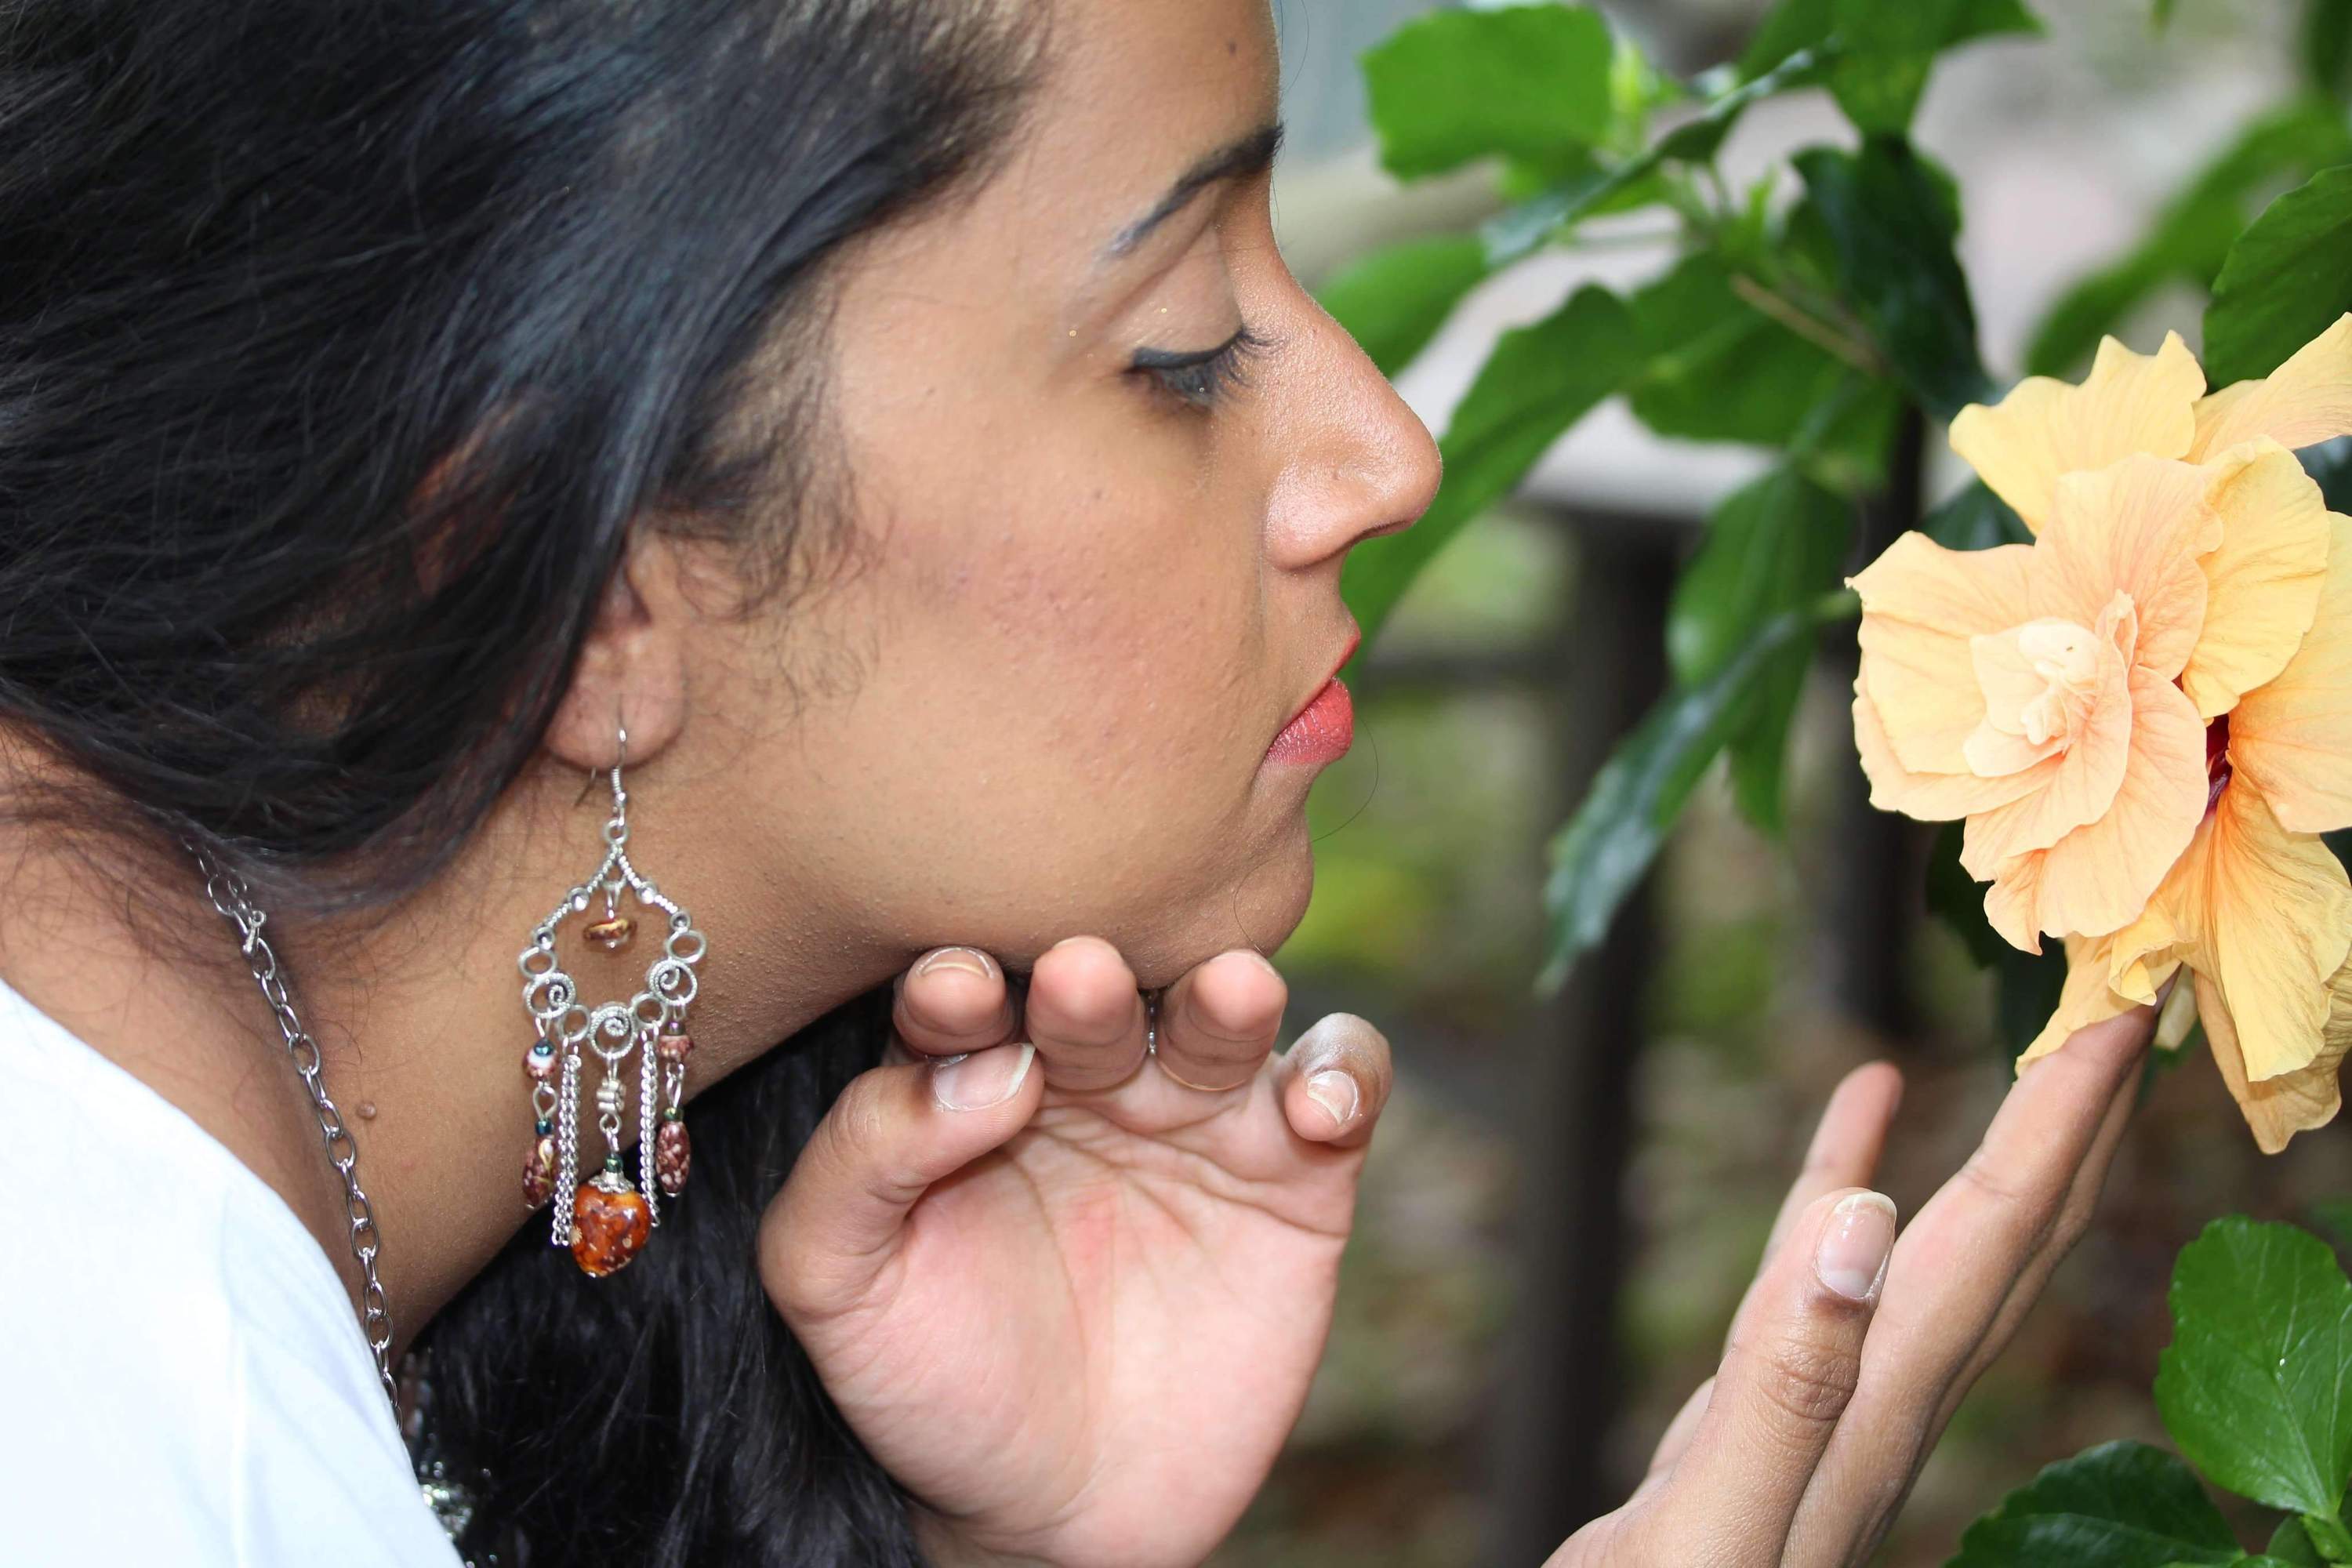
[[1089, 594]]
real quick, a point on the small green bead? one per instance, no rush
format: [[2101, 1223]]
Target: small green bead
[[672, 1113], [612, 1160], [545, 1128]]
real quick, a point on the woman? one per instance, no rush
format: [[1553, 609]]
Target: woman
[[861, 466]]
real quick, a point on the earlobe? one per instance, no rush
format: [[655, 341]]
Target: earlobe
[[632, 670]]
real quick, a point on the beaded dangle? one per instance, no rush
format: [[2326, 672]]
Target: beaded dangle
[[606, 1220]]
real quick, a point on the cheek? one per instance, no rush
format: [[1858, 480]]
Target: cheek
[[1110, 632], [1064, 697]]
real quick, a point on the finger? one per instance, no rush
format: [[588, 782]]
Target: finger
[[1335, 1081], [1847, 1143], [1970, 1264], [1795, 1356], [1219, 1021], [1677, 1441], [893, 1132], [2074, 1219], [1084, 1015], [952, 1000]]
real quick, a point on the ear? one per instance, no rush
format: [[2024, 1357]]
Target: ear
[[632, 670]]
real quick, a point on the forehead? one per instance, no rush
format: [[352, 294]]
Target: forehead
[[1136, 91]]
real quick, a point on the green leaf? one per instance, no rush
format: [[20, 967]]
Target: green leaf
[[1975, 519], [2120, 1505], [2190, 239], [2286, 277], [2252, 1388], [1539, 381], [2292, 1544], [1452, 86], [1603, 851], [2026, 986], [1958, 900], [1773, 546], [2334, 1216], [2326, 50], [1522, 228], [1718, 369], [1889, 50], [1891, 225], [2329, 463], [1394, 300]]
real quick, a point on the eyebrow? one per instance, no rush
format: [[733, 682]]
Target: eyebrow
[[1251, 154]]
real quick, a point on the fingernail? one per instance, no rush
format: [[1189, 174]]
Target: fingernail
[[1851, 1257], [979, 1079], [971, 960], [1336, 1093], [1264, 962]]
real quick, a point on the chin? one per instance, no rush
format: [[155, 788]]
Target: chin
[[1257, 905]]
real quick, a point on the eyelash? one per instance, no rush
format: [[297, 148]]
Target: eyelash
[[1201, 380]]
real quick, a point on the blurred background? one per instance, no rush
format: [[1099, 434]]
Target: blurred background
[[1568, 1196]]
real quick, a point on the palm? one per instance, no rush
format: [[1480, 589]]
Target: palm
[[1098, 1335]]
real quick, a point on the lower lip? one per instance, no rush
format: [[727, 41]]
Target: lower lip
[[1321, 733]]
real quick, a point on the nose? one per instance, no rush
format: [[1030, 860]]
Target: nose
[[1357, 462]]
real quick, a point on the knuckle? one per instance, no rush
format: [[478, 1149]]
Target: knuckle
[[860, 1117], [1805, 1381], [2034, 1208]]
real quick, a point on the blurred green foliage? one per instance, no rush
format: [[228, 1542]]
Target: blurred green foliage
[[1817, 313]]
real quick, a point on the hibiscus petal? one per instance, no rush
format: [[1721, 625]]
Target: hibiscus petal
[[2306, 400], [2292, 738], [2278, 1107], [1921, 604], [2263, 582], [2081, 789], [1930, 797], [2013, 902], [2276, 926], [2136, 528], [2098, 878], [2129, 403], [2085, 999]]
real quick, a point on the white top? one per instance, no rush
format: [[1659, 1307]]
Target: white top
[[183, 1378]]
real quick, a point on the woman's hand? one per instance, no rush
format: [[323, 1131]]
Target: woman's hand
[[1073, 1300], [1843, 1363]]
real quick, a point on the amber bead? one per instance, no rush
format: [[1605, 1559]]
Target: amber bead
[[608, 1228], [613, 934], [539, 1173], [673, 1156], [674, 1045]]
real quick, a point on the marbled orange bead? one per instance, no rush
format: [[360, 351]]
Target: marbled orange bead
[[673, 1156], [608, 1228], [613, 934], [539, 1173]]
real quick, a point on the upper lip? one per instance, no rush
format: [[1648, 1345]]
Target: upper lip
[[1355, 637]]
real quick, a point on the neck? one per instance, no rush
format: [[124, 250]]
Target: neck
[[418, 1017]]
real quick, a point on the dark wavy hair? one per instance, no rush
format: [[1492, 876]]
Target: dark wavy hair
[[342, 343]]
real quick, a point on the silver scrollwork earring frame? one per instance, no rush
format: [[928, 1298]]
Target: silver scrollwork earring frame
[[612, 1029]]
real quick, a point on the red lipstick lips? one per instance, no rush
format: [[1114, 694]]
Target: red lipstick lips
[[1323, 730]]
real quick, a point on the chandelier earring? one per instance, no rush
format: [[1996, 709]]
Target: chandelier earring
[[607, 1219]]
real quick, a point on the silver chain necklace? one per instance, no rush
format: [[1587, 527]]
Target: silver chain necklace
[[230, 896]]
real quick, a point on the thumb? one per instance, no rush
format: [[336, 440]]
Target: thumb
[[893, 1132]]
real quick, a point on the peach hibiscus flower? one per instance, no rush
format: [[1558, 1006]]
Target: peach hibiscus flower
[[2145, 716]]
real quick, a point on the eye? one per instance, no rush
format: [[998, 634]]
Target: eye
[[1200, 379]]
